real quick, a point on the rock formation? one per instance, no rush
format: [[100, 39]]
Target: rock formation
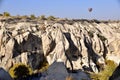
[[79, 44]]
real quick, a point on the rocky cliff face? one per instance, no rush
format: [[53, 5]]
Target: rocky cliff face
[[80, 44]]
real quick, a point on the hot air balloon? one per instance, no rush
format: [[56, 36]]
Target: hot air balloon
[[90, 9]]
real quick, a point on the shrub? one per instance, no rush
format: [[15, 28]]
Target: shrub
[[32, 16], [96, 21], [42, 17], [90, 33], [24, 17], [51, 18], [6, 14], [101, 37], [20, 71], [106, 73]]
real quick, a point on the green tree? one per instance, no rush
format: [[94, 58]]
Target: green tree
[[6, 14], [51, 18], [32, 16], [42, 17]]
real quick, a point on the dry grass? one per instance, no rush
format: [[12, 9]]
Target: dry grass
[[69, 78], [106, 73]]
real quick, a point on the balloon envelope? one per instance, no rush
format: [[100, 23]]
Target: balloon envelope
[[90, 9]]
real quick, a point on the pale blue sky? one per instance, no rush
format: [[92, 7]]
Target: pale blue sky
[[102, 9]]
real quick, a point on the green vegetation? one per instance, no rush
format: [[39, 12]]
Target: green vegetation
[[96, 21], [24, 17], [90, 33], [6, 14], [20, 71], [42, 17], [106, 73], [101, 37], [32, 16], [52, 18]]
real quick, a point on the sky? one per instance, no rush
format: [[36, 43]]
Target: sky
[[75, 9]]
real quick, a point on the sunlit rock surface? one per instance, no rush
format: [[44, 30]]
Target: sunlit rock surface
[[79, 44]]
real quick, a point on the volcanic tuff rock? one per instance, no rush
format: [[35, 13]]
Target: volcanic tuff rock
[[80, 44]]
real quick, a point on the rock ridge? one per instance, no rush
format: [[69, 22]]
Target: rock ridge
[[79, 44]]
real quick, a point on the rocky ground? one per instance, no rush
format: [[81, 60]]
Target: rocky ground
[[75, 45]]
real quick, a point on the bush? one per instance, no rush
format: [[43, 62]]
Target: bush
[[6, 14], [101, 37], [106, 73], [90, 33], [51, 18], [24, 17], [20, 71], [32, 16], [42, 17]]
